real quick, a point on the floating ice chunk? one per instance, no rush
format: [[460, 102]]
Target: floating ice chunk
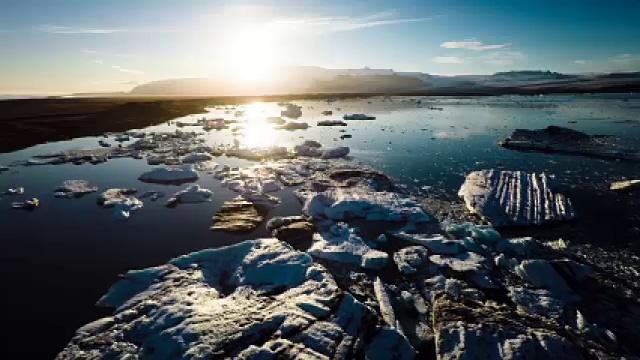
[[291, 111], [337, 152], [466, 261], [514, 198], [170, 175], [386, 309], [342, 244], [525, 246], [126, 207], [237, 215], [538, 301], [541, 273], [74, 188], [311, 144], [363, 202], [358, 117], [3, 169], [410, 259], [14, 191], [390, 344], [292, 125], [152, 195], [196, 157], [191, 195], [437, 244], [112, 197], [627, 185], [270, 186], [331, 123], [327, 112], [304, 150], [25, 205], [260, 199]]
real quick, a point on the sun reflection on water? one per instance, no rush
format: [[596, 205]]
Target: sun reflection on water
[[257, 132]]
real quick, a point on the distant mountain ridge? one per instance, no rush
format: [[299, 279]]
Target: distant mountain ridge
[[311, 79]]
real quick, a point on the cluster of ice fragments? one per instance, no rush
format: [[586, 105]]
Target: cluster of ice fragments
[[259, 299]]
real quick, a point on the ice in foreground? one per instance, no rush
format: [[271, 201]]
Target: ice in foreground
[[515, 198], [258, 299]]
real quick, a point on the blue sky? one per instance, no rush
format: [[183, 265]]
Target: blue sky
[[73, 46]]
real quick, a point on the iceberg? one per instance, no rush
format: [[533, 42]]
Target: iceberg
[[191, 195], [515, 198], [74, 188], [170, 175], [341, 243]]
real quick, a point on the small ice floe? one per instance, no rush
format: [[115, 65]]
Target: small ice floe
[[152, 195], [625, 186], [327, 112], [292, 125], [191, 195], [342, 243], [3, 169], [74, 188], [291, 111], [274, 152], [122, 138], [410, 259], [568, 141], [336, 152], [237, 215], [358, 117], [170, 175], [104, 143], [25, 205], [196, 157], [297, 231], [126, 207], [331, 123], [112, 197], [13, 191], [515, 198], [213, 124]]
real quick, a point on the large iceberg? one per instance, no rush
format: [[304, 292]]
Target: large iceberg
[[515, 198], [258, 299]]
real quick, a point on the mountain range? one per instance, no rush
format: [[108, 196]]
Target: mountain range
[[314, 80]]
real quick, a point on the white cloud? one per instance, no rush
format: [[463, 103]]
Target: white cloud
[[448, 60], [98, 61], [54, 29], [504, 57], [580, 62], [472, 45], [625, 59], [346, 23], [125, 70], [107, 53]]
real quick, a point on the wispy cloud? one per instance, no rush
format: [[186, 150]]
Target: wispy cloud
[[102, 53], [472, 45], [55, 29], [504, 57], [448, 60], [346, 23], [625, 59], [128, 71], [98, 61], [581, 62]]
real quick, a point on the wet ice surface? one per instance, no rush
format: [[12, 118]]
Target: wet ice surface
[[81, 248]]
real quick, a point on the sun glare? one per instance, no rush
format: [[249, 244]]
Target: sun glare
[[258, 133], [253, 54]]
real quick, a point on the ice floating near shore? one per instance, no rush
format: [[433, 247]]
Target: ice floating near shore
[[331, 123], [358, 117], [237, 215], [191, 195], [563, 140], [74, 188], [28, 205], [515, 198], [341, 243], [258, 299], [170, 175]]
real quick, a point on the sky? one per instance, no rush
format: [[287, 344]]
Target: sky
[[65, 46]]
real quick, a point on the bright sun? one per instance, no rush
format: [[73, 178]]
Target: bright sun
[[253, 53]]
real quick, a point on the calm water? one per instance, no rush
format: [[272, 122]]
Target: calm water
[[59, 259]]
